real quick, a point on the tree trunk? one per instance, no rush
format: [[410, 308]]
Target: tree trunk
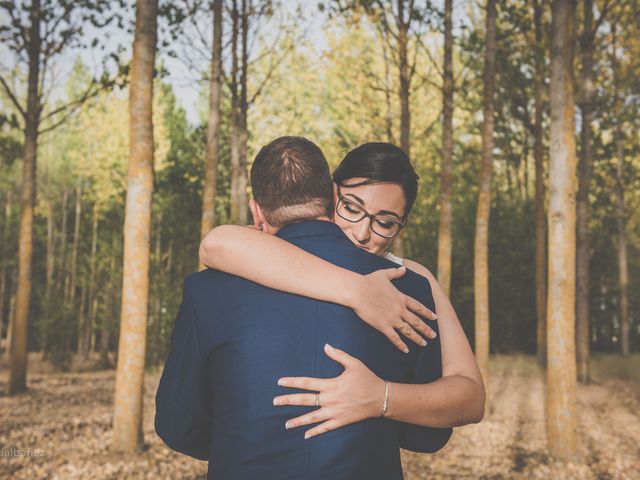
[[167, 274], [127, 419], [243, 206], [235, 117], [51, 245], [538, 154], [481, 247], [87, 329], [50, 249], [405, 112], [154, 338], [12, 319], [4, 251], [82, 320], [623, 268], [446, 165], [388, 86], [105, 333], [155, 331], [18, 362], [70, 283], [169, 255], [561, 366], [91, 330], [404, 94], [62, 269], [587, 83], [213, 127], [525, 166]]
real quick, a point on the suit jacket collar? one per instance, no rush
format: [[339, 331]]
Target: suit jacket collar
[[310, 228]]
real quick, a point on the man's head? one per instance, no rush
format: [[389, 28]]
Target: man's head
[[291, 182]]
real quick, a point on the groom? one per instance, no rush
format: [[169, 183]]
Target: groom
[[233, 340]]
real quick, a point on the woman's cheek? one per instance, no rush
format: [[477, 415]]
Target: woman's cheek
[[344, 226]]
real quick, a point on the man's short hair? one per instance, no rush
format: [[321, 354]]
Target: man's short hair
[[291, 181]]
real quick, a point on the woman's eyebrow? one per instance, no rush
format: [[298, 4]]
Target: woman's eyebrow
[[388, 212], [381, 212], [356, 197]]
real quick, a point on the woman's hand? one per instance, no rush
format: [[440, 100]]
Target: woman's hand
[[354, 395], [377, 302]]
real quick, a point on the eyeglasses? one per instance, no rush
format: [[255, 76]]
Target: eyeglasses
[[381, 225]]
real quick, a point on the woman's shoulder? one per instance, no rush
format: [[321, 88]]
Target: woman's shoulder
[[419, 269], [413, 266], [436, 288]]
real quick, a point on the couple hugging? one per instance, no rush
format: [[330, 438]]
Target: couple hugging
[[286, 358]]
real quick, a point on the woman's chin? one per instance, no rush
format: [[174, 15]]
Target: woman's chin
[[375, 251]]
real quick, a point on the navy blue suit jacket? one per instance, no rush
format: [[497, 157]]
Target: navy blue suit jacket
[[233, 339]]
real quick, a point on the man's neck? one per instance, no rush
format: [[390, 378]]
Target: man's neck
[[274, 230]]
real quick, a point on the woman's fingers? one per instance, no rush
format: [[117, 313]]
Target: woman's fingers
[[314, 416], [340, 356], [394, 338], [304, 383], [418, 325], [296, 399], [393, 273], [411, 334], [324, 427], [419, 309]]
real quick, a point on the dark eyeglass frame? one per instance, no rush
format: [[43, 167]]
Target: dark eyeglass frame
[[372, 218]]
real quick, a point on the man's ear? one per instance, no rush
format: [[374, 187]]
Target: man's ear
[[256, 212]]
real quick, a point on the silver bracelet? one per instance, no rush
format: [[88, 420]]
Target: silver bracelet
[[386, 399]]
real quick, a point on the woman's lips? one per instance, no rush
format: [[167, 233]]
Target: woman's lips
[[359, 245]]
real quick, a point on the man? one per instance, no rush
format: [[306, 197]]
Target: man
[[233, 340]]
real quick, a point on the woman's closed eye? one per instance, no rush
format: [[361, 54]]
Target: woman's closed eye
[[386, 224], [352, 208]]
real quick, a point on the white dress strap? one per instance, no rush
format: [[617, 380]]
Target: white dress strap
[[393, 258]]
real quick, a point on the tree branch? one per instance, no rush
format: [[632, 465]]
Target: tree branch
[[15, 21], [72, 106], [412, 70], [601, 17], [62, 120], [12, 97], [272, 69], [50, 29], [429, 81], [430, 57], [384, 20], [427, 130]]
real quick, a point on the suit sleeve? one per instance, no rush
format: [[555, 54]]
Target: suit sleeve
[[427, 369], [183, 416]]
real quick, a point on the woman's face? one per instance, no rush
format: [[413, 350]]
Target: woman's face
[[385, 199]]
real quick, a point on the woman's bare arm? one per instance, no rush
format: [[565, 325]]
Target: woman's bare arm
[[357, 394], [268, 260], [458, 397]]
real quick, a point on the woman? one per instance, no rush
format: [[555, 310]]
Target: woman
[[375, 187]]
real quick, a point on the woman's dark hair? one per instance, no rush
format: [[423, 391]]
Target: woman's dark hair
[[380, 162]]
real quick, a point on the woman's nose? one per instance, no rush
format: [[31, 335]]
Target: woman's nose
[[363, 230]]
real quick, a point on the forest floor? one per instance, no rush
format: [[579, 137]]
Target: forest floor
[[65, 418]]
